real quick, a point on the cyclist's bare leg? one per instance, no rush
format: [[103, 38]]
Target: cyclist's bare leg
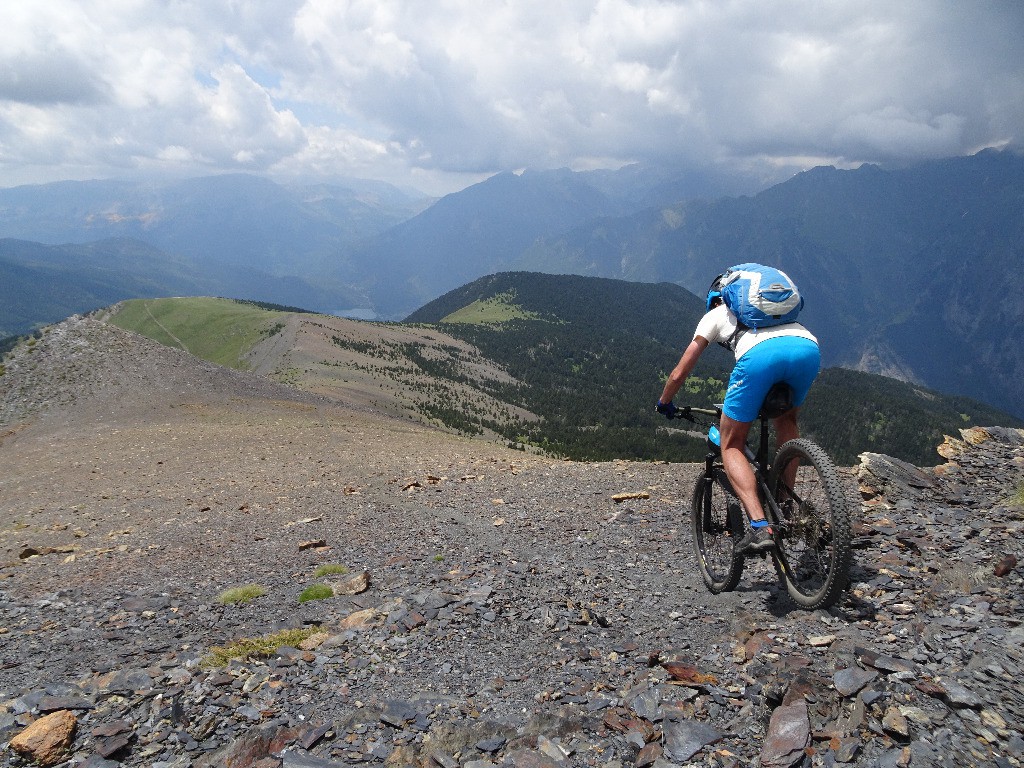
[[786, 426], [786, 429], [737, 468]]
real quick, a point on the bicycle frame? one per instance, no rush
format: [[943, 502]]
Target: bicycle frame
[[758, 461]]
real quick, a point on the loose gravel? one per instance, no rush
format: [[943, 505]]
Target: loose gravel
[[507, 608]]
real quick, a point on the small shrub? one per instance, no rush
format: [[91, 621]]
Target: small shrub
[[438, 558], [239, 595], [330, 569], [220, 655], [1018, 498], [316, 592]]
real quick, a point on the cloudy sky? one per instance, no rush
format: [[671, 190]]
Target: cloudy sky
[[440, 94]]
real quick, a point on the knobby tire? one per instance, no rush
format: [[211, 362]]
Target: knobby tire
[[717, 524], [813, 552]]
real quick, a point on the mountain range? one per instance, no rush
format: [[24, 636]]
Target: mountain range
[[912, 273]]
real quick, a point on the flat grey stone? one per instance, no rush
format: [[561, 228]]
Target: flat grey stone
[[850, 680], [684, 739]]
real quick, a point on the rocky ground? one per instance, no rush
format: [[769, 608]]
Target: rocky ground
[[503, 608]]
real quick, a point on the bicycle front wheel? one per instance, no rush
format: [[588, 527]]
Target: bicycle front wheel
[[812, 553], [715, 514]]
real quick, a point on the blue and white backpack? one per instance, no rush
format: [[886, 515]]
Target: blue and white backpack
[[759, 296]]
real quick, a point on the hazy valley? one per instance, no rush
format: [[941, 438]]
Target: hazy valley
[[896, 264]]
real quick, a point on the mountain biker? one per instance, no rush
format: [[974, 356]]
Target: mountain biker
[[765, 356]]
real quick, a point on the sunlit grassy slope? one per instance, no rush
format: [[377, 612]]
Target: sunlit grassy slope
[[419, 373], [499, 309], [218, 330]]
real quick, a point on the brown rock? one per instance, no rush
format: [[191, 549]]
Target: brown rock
[[256, 744], [754, 645], [414, 620], [687, 674], [930, 688], [360, 619], [47, 740], [402, 755], [619, 497], [614, 720], [314, 641], [975, 435], [29, 551], [798, 691], [951, 448], [353, 585], [1004, 566], [649, 755], [645, 728], [895, 724], [789, 734]]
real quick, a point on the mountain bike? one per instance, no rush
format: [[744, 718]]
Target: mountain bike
[[803, 499]]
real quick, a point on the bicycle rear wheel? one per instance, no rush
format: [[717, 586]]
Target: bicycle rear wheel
[[812, 553], [715, 515]]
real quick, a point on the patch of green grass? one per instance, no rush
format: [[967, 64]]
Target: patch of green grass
[[499, 309], [256, 647], [1018, 498], [238, 595], [330, 569], [438, 558], [316, 592], [219, 330]]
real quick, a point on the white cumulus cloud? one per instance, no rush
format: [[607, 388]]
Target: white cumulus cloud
[[441, 94]]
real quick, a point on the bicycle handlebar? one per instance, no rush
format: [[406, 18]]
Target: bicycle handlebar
[[687, 412]]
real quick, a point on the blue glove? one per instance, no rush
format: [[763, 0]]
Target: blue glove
[[668, 409]]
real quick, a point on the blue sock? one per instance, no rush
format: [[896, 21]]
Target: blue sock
[[758, 523]]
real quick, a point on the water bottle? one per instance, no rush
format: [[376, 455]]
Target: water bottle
[[714, 439]]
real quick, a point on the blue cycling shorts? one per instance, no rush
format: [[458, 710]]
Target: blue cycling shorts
[[792, 359]]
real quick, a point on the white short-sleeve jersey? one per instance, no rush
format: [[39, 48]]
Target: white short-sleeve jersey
[[719, 325]]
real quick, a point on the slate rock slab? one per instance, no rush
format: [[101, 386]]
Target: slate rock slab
[[850, 680], [685, 738]]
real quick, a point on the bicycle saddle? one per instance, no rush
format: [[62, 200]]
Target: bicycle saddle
[[778, 400]]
